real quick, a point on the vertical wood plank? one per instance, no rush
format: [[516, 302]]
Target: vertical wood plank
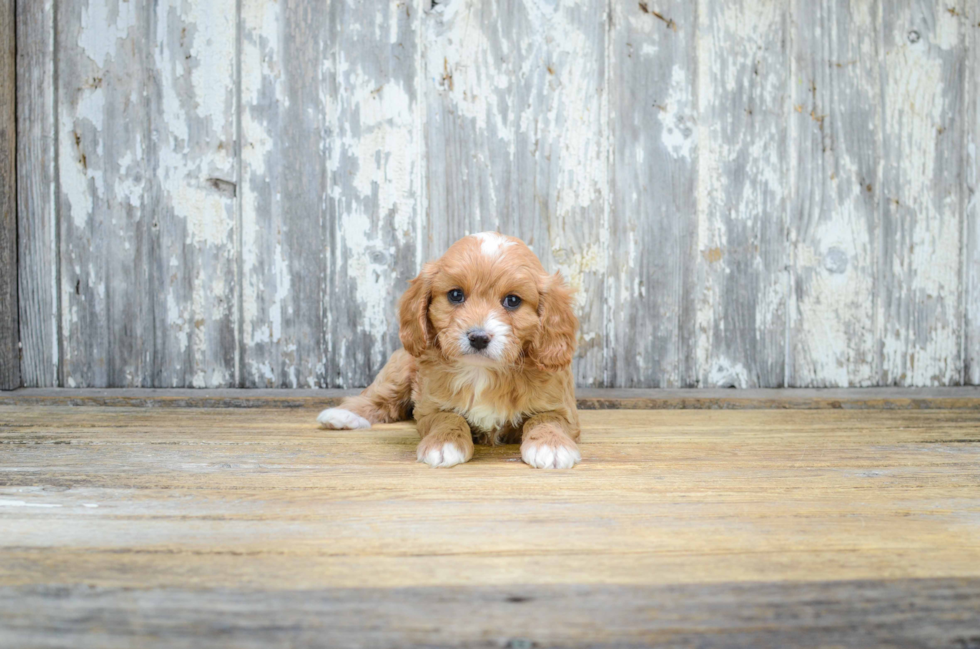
[[9, 334], [919, 282], [37, 223], [191, 255], [516, 140], [742, 192], [146, 174], [971, 269], [374, 171], [836, 125], [104, 147], [653, 221], [287, 87], [320, 292]]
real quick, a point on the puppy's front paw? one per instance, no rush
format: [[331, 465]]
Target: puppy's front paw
[[340, 419], [440, 455], [546, 456]]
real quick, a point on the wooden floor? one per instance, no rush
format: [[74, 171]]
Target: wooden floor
[[182, 527]]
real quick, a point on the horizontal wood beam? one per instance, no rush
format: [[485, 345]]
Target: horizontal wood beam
[[588, 399], [866, 613]]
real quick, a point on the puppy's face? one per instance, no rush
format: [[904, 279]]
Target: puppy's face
[[488, 301]]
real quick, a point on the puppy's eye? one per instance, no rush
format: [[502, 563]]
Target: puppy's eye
[[511, 302], [456, 296]]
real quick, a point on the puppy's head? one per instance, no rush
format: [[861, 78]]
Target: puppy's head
[[489, 301]]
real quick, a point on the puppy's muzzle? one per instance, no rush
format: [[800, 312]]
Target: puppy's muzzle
[[479, 339]]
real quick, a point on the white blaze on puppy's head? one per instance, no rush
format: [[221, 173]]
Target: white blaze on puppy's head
[[492, 243]]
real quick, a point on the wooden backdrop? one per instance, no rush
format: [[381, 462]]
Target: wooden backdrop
[[746, 192]]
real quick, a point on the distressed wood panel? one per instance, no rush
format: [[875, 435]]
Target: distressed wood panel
[[9, 334], [37, 217], [920, 314], [743, 105], [287, 87], [330, 196], [651, 278], [834, 179], [971, 231], [189, 316], [146, 162], [375, 176], [516, 140], [103, 48], [745, 193]]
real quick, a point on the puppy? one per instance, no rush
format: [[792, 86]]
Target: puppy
[[488, 339]]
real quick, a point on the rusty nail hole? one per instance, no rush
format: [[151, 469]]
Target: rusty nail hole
[[914, 36]]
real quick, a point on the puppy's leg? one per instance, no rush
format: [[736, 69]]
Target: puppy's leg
[[548, 442], [387, 399], [446, 440]]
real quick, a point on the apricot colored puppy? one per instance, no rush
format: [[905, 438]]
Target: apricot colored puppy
[[488, 340]]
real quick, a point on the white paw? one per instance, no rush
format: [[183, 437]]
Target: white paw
[[443, 456], [550, 457], [340, 419]]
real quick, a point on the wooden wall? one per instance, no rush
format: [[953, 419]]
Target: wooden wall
[[746, 192], [9, 335]]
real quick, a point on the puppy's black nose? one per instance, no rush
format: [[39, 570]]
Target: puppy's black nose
[[479, 340]]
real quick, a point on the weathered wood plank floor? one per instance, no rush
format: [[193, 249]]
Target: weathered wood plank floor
[[124, 527]]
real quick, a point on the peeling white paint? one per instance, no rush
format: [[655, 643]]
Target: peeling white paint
[[518, 108], [679, 132], [921, 348], [82, 181], [575, 268], [20, 503], [101, 28], [725, 373]]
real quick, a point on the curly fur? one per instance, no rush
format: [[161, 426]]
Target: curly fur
[[518, 388]]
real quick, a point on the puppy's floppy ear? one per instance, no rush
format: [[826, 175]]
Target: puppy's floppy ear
[[554, 345], [414, 329]]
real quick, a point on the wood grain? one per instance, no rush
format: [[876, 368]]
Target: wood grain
[[809, 527], [834, 222], [38, 246], [234, 193], [919, 314], [9, 328], [375, 180], [104, 176], [516, 140], [858, 614], [286, 248], [971, 231], [652, 271], [189, 240], [743, 111], [962, 398]]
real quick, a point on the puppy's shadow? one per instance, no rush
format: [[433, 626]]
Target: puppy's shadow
[[499, 454], [404, 434]]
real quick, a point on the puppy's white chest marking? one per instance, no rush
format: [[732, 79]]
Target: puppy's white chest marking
[[472, 381], [473, 378], [486, 417]]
